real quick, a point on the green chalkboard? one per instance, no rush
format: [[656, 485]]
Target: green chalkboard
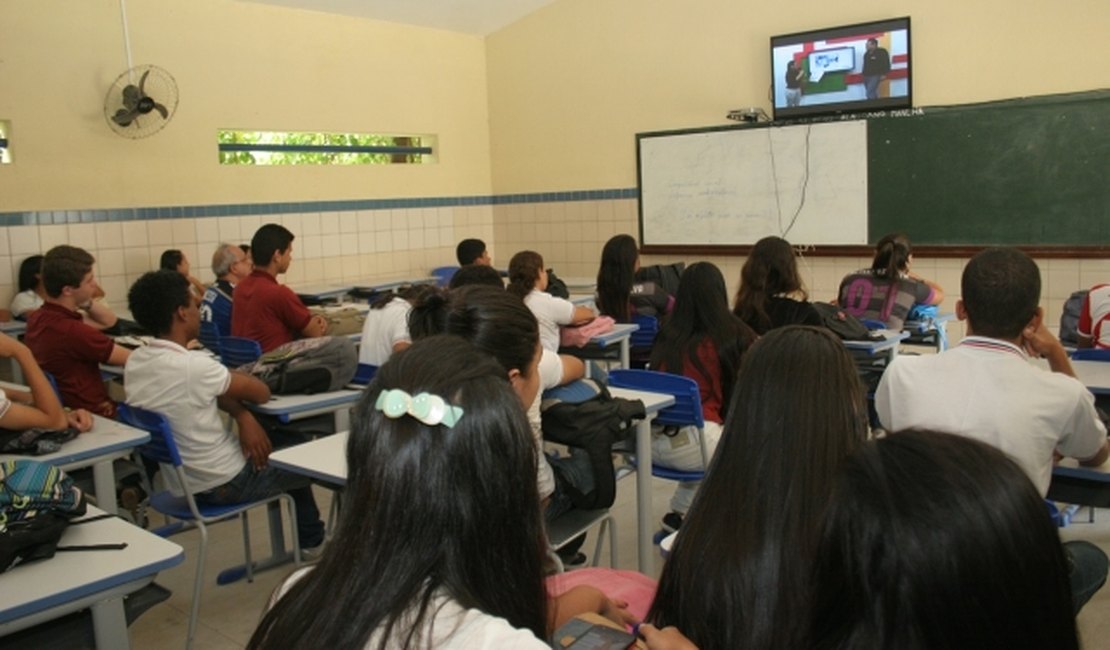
[[1032, 172]]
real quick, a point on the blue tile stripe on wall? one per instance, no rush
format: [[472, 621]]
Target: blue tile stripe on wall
[[47, 217]]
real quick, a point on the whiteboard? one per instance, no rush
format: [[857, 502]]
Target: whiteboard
[[806, 183]]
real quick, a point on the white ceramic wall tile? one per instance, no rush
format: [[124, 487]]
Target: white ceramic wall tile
[[110, 262], [9, 269], [51, 236], [229, 230], [295, 275], [351, 271], [313, 270], [208, 229], [400, 240], [24, 241], [184, 231], [349, 221], [349, 244], [115, 290], [4, 246], [136, 261], [248, 225], [310, 224], [329, 223], [109, 234], [416, 238], [398, 220], [134, 234], [159, 233], [311, 247], [294, 222], [330, 246], [1063, 279]]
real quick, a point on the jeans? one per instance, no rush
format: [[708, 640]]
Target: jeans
[[871, 86], [251, 484], [1087, 568]]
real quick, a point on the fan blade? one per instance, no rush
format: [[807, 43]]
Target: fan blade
[[131, 97], [142, 82], [161, 109], [124, 117]]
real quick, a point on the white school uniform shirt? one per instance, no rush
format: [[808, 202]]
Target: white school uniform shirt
[[448, 626], [551, 373], [986, 389], [25, 301], [5, 404], [183, 386], [550, 312], [383, 329]]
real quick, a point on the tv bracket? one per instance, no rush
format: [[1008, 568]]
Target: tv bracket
[[750, 114]]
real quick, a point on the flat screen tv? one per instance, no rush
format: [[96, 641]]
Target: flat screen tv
[[849, 69]]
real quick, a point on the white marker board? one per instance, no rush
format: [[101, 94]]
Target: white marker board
[[727, 187]]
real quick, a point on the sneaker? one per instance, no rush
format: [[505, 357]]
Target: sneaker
[[313, 554], [672, 521], [132, 499]]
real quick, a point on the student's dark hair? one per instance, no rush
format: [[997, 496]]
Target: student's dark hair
[[413, 293], [269, 239], [246, 248], [155, 297], [701, 313], [771, 269], [616, 276], [1001, 290], [873, 40], [938, 541], [30, 270], [469, 250], [476, 274], [494, 320], [524, 270], [892, 255], [436, 508], [170, 260], [65, 266], [738, 575]]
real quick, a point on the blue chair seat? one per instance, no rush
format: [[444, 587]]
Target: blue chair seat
[[177, 507]]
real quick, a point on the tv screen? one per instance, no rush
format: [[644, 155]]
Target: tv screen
[[854, 68]]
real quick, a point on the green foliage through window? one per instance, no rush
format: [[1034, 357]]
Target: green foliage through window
[[305, 148]]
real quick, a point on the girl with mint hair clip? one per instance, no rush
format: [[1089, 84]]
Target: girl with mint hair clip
[[440, 542]]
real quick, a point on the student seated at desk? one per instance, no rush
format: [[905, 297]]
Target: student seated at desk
[[386, 328], [187, 387], [230, 265], [938, 541], [174, 260], [476, 274], [771, 293], [618, 293], [889, 289], [39, 408], [701, 340], [986, 389], [739, 573], [264, 310], [528, 281], [1094, 318], [446, 532], [62, 343], [473, 251]]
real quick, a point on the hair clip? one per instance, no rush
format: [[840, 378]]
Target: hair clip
[[428, 408]]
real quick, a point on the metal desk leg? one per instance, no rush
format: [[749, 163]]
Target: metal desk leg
[[104, 482], [626, 352], [643, 497], [343, 420], [110, 624]]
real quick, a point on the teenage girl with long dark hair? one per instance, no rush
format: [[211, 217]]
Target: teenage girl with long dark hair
[[619, 295], [771, 293]]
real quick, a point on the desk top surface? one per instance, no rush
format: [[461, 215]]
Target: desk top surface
[[34, 587], [325, 459], [322, 291], [892, 339], [1095, 375], [619, 332], [288, 404], [106, 437]]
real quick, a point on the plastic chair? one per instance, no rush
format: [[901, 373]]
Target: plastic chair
[[163, 449], [643, 340], [53, 384], [573, 523], [236, 351], [1091, 354], [443, 275], [364, 374], [686, 410], [209, 336]]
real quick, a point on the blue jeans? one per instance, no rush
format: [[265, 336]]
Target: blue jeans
[[1087, 568], [871, 86], [251, 484]]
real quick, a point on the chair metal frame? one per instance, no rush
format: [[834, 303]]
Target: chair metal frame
[[686, 410], [163, 449]]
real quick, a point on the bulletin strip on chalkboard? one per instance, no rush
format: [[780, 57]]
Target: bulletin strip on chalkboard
[[1030, 172]]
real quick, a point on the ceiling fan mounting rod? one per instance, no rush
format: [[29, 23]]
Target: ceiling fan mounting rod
[[126, 38]]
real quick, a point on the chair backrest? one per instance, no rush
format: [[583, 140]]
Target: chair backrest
[[872, 324], [162, 448], [364, 374], [687, 399], [1091, 354], [236, 350], [53, 384], [443, 275], [645, 336], [210, 336]]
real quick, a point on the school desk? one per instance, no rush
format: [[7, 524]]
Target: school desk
[[935, 326], [317, 293], [288, 408], [98, 449], [96, 579]]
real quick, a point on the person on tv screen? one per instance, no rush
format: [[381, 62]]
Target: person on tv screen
[[876, 65], [795, 75]]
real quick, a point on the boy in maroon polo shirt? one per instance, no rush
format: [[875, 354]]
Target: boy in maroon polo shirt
[[264, 310], [62, 343]]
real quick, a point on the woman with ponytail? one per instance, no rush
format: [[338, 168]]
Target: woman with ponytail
[[889, 289]]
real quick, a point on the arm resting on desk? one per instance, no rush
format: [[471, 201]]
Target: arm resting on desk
[[1099, 458], [45, 410]]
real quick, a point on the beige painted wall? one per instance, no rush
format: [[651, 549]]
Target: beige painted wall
[[571, 84], [237, 65]]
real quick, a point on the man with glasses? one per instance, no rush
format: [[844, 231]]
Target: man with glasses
[[231, 265]]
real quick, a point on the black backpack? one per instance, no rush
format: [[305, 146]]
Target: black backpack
[[664, 275], [843, 324], [315, 365], [1069, 318], [586, 416]]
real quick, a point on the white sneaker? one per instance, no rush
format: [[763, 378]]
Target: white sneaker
[[311, 555]]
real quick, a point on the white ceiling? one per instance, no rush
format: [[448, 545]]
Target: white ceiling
[[479, 17]]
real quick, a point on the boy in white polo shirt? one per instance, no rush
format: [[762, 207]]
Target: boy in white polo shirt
[[187, 387], [985, 388]]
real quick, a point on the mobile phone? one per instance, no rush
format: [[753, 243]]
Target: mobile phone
[[578, 634]]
